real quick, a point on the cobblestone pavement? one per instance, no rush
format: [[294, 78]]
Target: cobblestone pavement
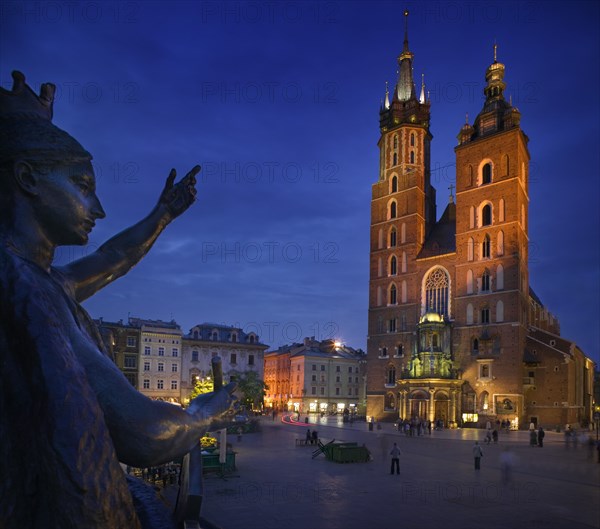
[[278, 485]]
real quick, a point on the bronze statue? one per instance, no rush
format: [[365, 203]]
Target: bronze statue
[[67, 414]]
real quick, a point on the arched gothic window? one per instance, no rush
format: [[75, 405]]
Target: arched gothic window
[[393, 295], [485, 281], [469, 314], [391, 375], [486, 215], [485, 396], [500, 312], [485, 247], [393, 210], [412, 139], [389, 402], [437, 292], [393, 237], [486, 173], [412, 157], [394, 184], [393, 265], [395, 142], [395, 162]]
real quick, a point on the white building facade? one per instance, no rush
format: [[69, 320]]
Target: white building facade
[[240, 352]]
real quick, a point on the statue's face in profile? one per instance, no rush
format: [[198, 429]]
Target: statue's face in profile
[[66, 204]]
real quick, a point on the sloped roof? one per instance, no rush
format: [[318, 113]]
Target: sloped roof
[[442, 239]]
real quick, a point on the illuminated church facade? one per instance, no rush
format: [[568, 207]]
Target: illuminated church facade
[[455, 332]]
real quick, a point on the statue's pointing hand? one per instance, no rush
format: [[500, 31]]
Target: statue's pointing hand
[[180, 196]]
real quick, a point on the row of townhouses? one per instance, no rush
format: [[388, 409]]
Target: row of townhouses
[[164, 363]]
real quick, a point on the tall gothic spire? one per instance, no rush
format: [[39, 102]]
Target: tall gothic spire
[[405, 89]]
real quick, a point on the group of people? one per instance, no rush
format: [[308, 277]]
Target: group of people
[[536, 437], [416, 426], [312, 438]]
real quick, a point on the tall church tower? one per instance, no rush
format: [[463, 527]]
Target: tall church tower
[[492, 275], [403, 213]]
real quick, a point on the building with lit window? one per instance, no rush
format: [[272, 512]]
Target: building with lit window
[[315, 377], [159, 370], [240, 352], [455, 331]]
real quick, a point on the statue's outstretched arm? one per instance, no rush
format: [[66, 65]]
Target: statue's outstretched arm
[[119, 254], [146, 432]]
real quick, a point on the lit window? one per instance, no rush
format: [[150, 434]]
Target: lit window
[[437, 290]]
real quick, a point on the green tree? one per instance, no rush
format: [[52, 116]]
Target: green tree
[[251, 387], [202, 385]]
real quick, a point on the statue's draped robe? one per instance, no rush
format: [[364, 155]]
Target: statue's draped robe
[[58, 466]]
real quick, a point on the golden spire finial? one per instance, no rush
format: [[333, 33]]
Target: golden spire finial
[[467, 118], [495, 51]]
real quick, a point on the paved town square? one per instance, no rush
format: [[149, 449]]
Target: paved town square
[[279, 485]]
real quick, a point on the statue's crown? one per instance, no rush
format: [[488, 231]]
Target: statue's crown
[[26, 127], [22, 100]]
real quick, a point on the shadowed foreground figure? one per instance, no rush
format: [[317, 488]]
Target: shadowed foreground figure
[[67, 414]]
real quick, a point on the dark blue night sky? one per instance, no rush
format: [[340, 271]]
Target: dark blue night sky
[[279, 102]]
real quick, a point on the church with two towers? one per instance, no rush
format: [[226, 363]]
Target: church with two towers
[[455, 332]]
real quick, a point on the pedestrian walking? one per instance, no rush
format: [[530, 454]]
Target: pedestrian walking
[[308, 436], [395, 453], [477, 454], [540, 437], [495, 436], [507, 462]]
